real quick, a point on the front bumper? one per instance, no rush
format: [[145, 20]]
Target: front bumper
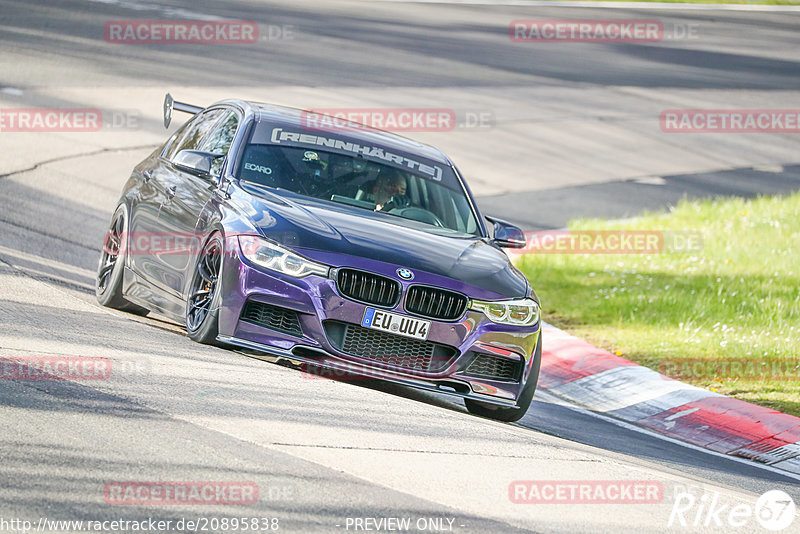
[[317, 304]]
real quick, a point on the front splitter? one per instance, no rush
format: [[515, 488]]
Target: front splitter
[[271, 353]]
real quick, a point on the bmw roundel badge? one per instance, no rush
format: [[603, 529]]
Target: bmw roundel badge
[[405, 274]]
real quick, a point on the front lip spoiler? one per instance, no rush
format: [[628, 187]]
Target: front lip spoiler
[[377, 373]]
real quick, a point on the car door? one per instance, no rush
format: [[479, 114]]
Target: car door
[[155, 232], [187, 194]]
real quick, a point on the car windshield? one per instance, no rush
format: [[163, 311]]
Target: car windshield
[[361, 183]]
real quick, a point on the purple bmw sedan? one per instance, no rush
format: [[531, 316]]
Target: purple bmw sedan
[[344, 248]]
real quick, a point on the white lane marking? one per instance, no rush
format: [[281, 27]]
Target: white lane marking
[[553, 399], [669, 422], [650, 180], [681, 414], [768, 168], [630, 386], [609, 5], [11, 91]]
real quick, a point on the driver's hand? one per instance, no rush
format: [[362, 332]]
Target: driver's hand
[[397, 201]]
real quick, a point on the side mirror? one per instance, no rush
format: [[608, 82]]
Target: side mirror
[[506, 234], [196, 162]]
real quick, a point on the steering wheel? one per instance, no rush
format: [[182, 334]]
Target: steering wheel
[[418, 214], [396, 202]]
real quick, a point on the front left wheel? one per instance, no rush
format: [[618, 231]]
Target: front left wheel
[[202, 305]]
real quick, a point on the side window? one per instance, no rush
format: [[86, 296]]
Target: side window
[[194, 132], [172, 142], [220, 139]]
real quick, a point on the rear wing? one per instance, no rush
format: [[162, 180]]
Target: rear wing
[[170, 104]]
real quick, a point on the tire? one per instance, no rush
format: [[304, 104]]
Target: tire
[[205, 293], [108, 281], [509, 415]]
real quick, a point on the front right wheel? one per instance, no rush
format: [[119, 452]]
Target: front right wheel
[[509, 415]]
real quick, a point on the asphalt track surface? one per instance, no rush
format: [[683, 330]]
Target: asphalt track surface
[[572, 131]]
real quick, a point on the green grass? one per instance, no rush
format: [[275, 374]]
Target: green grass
[[737, 299]]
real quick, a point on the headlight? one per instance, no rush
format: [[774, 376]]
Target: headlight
[[520, 312], [276, 258]]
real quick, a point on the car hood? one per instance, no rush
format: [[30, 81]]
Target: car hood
[[323, 231]]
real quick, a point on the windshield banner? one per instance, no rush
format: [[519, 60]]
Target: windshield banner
[[280, 136]]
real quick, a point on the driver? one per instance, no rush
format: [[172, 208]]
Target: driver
[[389, 186]]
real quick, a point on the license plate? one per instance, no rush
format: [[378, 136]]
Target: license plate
[[396, 324]]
